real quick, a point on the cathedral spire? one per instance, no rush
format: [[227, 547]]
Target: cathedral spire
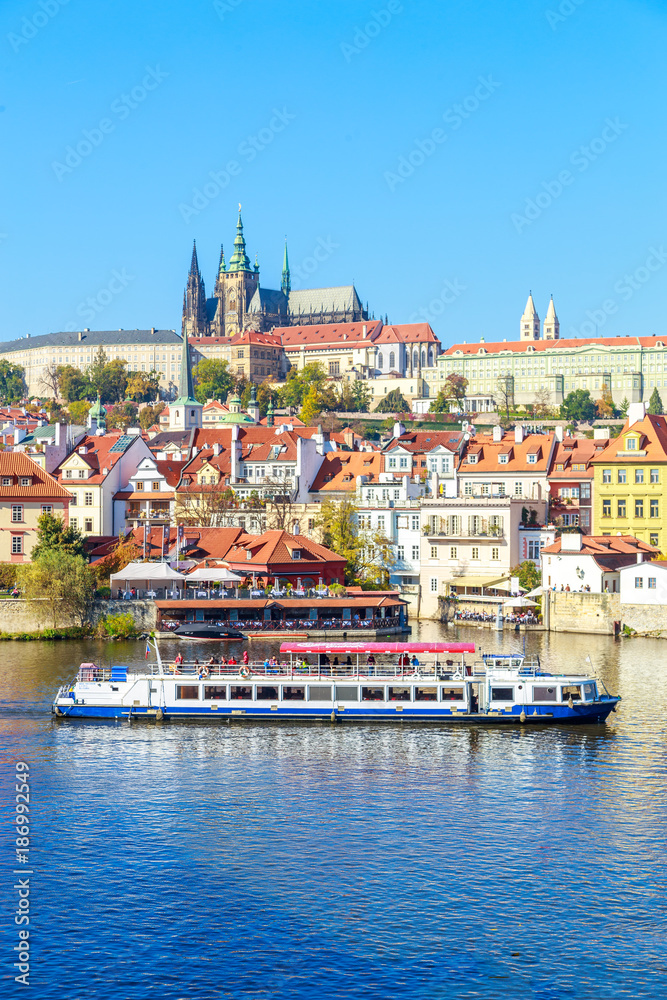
[[530, 321], [222, 265], [551, 327], [239, 261], [194, 264], [285, 283]]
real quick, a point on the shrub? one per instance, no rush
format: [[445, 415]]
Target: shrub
[[120, 626], [103, 593]]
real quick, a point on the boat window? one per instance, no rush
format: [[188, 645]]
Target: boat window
[[187, 691], [426, 694], [570, 691], [294, 694], [544, 693], [516, 663], [238, 691], [502, 694], [320, 692], [399, 694], [215, 692], [372, 694], [451, 694], [267, 692], [590, 691], [347, 693]]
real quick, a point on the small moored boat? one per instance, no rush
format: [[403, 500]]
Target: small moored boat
[[343, 681]]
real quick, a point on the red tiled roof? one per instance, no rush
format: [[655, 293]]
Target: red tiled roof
[[601, 545], [653, 432], [339, 470], [97, 455], [528, 346], [487, 451], [420, 442], [407, 333], [296, 337], [16, 464]]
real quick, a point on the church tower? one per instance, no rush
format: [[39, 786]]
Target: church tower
[[217, 321], [238, 285], [285, 282], [551, 324], [185, 412], [195, 320], [530, 321]]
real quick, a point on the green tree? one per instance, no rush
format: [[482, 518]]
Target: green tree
[[337, 522], [122, 415], [456, 387], [311, 409], [78, 411], [623, 408], [505, 394], [655, 403], [393, 402], [60, 586], [150, 415], [363, 396], [605, 404], [12, 383], [266, 393], [299, 382], [143, 387], [53, 533], [376, 558], [213, 380], [528, 573], [440, 404], [109, 378], [73, 384], [578, 405]]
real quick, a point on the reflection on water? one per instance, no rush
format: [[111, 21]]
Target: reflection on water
[[279, 860]]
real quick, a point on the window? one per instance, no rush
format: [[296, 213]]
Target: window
[[453, 552], [503, 459], [47, 508], [6, 480], [518, 489], [606, 508], [655, 475], [403, 462], [88, 524], [532, 460], [639, 583], [156, 487], [639, 508], [631, 444], [296, 553], [621, 510], [654, 509], [622, 476], [311, 524], [434, 585], [190, 691], [434, 552], [585, 491], [400, 552], [74, 521], [606, 475], [639, 475], [415, 552], [392, 360], [381, 522], [475, 552], [495, 553], [391, 463], [88, 499], [139, 487], [17, 545], [240, 353], [502, 694], [652, 583], [415, 522], [68, 474], [17, 512], [26, 480], [334, 367], [653, 540]]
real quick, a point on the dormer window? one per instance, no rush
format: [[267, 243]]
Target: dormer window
[[472, 459], [68, 474], [631, 444], [560, 467], [532, 459], [26, 480], [296, 553], [248, 554], [502, 459], [6, 480]]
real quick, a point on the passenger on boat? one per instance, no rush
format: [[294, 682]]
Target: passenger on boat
[[348, 661], [196, 661], [245, 657], [231, 661], [371, 659], [212, 660], [178, 659], [335, 662], [273, 662], [266, 665], [415, 661]]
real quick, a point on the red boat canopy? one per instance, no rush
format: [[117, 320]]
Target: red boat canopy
[[377, 647]]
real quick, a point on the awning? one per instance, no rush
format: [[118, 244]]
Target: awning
[[377, 647], [210, 575], [155, 572], [497, 582]]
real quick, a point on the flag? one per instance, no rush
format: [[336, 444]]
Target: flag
[[148, 648], [588, 659]]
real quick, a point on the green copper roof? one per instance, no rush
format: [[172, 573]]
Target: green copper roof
[[236, 415], [97, 411], [239, 261], [285, 283], [221, 265]]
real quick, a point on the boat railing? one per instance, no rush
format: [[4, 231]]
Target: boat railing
[[258, 670]]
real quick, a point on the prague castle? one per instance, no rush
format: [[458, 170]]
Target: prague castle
[[239, 303]]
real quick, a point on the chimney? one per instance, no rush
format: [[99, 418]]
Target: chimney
[[518, 434], [636, 412], [364, 331], [559, 432], [399, 429], [80, 335], [570, 542], [216, 448], [497, 433]]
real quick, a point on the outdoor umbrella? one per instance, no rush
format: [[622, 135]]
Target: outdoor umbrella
[[519, 602]]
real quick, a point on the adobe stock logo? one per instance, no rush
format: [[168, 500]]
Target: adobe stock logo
[[31, 26]]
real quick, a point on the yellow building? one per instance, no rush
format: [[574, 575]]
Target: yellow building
[[630, 478], [27, 492]]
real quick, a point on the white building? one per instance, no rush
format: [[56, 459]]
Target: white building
[[391, 507], [644, 583], [592, 562]]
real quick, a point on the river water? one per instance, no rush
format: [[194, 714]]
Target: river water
[[298, 861]]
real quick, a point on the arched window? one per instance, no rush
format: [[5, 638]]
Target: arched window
[[415, 359], [380, 360], [423, 359], [430, 357], [392, 361]]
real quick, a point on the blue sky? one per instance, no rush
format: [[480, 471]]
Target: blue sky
[[447, 157]]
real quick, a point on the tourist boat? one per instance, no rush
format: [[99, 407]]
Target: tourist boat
[[206, 630], [363, 681]]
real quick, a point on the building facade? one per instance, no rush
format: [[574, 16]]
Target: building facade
[[26, 492]]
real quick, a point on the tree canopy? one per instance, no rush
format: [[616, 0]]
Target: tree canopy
[[61, 584], [149, 415], [528, 573], [12, 383], [578, 405], [122, 415], [370, 556], [311, 407], [53, 533], [213, 380], [143, 387], [393, 402], [299, 382], [73, 384], [655, 404]]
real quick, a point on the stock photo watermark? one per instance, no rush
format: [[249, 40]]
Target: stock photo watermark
[[122, 107], [377, 22], [247, 151], [224, 7], [32, 25], [90, 307], [453, 117], [449, 293], [322, 251], [564, 10], [582, 158], [625, 288], [21, 950]]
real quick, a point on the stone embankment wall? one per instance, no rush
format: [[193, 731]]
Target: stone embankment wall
[[29, 616], [592, 613], [645, 618]]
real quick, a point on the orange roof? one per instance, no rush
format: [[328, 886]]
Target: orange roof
[[339, 470], [572, 452], [528, 346], [296, 337], [421, 442], [653, 441], [276, 547], [488, 450], [407, 333], [15, 465], [592, 545]]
